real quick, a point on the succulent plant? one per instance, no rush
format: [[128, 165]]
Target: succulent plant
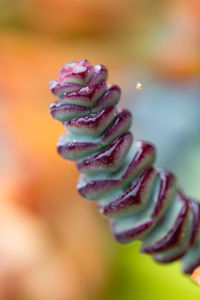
[[141, 201]]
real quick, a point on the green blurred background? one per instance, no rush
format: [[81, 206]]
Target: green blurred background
[[53, 244]]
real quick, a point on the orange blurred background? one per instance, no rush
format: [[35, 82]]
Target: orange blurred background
[[53, 244]]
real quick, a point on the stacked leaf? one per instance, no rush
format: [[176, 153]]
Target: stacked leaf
[[142, 202]]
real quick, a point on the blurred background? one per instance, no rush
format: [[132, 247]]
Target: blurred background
[[53, 244]]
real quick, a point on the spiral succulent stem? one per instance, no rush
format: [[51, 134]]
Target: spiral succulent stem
[[142, 202]]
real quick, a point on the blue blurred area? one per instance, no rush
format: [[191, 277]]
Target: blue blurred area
[[168, 114]]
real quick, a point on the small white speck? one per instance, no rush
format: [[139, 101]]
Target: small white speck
[[139, 86]]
